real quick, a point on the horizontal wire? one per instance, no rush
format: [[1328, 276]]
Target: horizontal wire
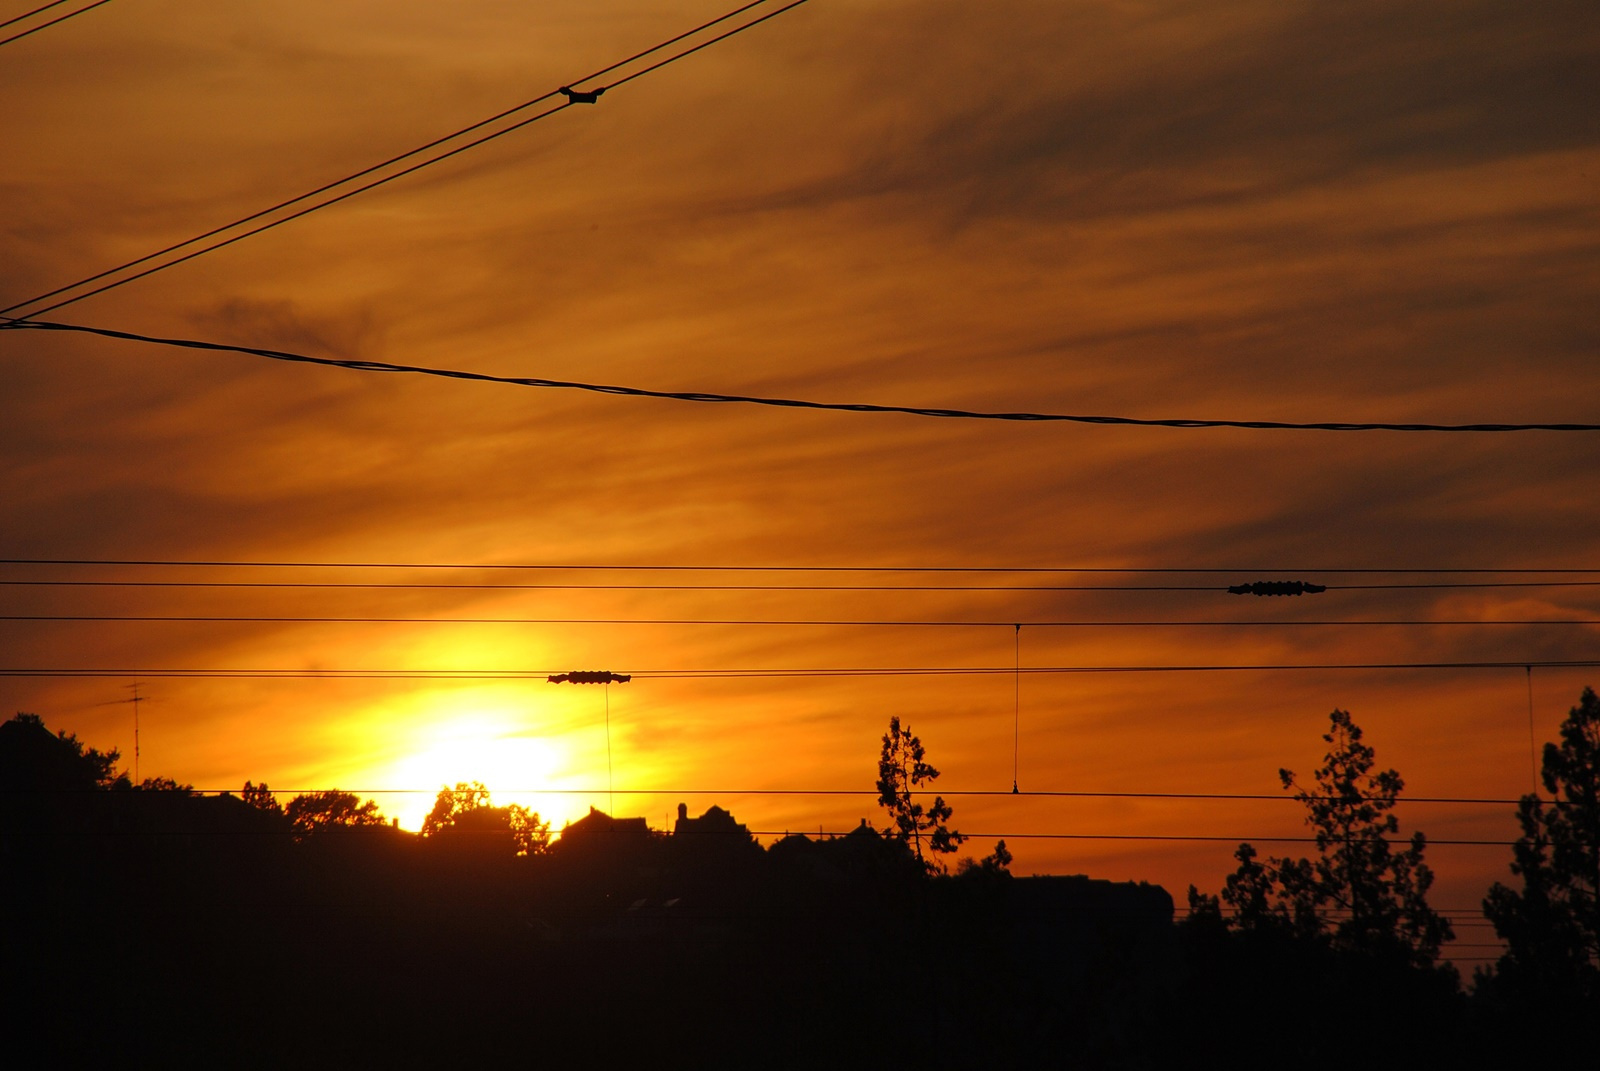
[[401, 585], [409, 586], [782, 622], [863, 792], [833, 834], [748, 399], [735, 674], [669, 568]]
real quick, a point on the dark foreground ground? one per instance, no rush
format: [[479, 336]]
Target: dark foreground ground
[[378, 949]]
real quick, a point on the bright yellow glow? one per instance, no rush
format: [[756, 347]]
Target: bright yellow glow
[[494, 735]]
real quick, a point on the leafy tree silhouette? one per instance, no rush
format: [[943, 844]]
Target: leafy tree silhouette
[[321, 812], [996, 863], [260, 797], [161, 783], [64, 757], [466, 809], [1552, 927], [1361, 893], [452, 806], [902, 768]]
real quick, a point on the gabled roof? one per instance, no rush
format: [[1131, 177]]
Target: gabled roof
[[598, 822]]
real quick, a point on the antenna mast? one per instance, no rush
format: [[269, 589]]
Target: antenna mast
[[136, 700]]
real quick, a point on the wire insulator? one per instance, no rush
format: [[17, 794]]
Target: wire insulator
[[1278, 587], [590, 676]]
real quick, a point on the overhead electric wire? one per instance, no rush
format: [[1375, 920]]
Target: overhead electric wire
[[327, 187], [667, 568], [46, 25], [31, 14], [527, 790], [540, 675], [409, 586], [777, 622], [406, 586], [396, 585], [1491, 584], [1396, 841], [832, 834], [760, 400]]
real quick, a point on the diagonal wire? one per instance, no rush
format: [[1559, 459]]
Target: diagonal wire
[[269, 225], [31, 14], [46, 25], [787, 403], [327, 187]]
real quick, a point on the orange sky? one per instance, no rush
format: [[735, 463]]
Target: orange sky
[[1242, 209]]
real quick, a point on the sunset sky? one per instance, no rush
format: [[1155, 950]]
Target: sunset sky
[[1239, 209]]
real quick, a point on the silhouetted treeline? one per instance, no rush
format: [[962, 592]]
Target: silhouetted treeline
[[159, 927]]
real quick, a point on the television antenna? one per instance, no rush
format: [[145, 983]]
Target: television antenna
[[135, 700]]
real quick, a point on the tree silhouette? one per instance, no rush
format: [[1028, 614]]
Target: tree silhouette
[[1552, 927], [161, 783], [466, 809], [996, 863], [60, 758], [902, 768], [529, 833], [452, 806], [321, 812], [260, 797], [1361, 892]]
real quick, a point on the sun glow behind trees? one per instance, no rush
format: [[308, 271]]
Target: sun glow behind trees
[[497, 735]]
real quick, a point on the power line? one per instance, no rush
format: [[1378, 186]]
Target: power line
[[834, 834], [327, 187], [750, 399], [527, 790], [1492, 584], [401, 585], [779, 622], [46, 25], [741, 674], [31, 14], [1197, 837], [395, 585], [851, 568]]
